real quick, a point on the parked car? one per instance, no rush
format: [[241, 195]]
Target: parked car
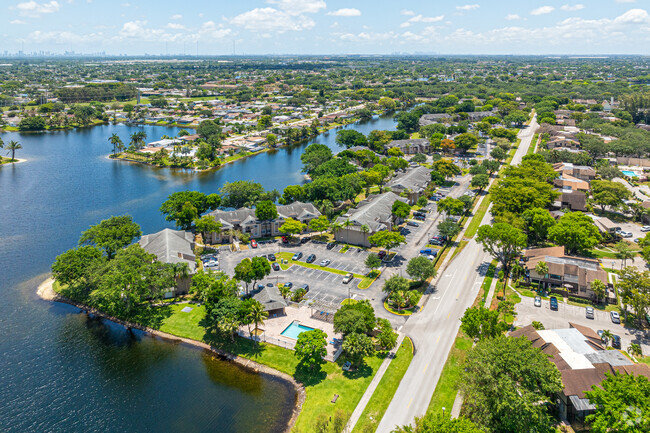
[[348, 277], [412, 224], [330, 245], [304, 287], [275, 266], [304, 240], [311, 258], [645, 229], [288, 284], [538, 301], [271, 257], [615, 317], [420, 217], [325, 262], [381, 254], [616, 342], [429, 252], [253, 243], [553, 302], [428, 256], [260, 286], [625, 234], [347, 366], [285, 240], [589, 311], [454, 218], [418, 213], [297, 256]]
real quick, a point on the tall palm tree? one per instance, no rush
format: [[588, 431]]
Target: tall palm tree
[[635, 350], [607, 337], [116, 141], [13, 146], [257, 314], [335, 227], [346, 225], [365, 230]]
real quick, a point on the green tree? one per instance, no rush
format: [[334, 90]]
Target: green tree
[[387, 239], [451, 206], [387, 338], [74, 266], [599, 289], [505, 383], [541, 268], [357, 347], [449, 229], [400, 209], [225, 316], [184, 207], [576, 231], [266, 210], [314, 156], [311, 348], [609, 194], [244, 272], [254, 312], [350, 138], [358, 317], [117, 143], [634, 349], [12, 147], [396, 283], [624, 252], [481, 323], [408, 121], [319, 224], [437, 423], [292, 227], [111, 234], [480, 181], [503, 242], [260, 268], [372, 261], [421, 268], [465, 141], [446, 167], [498, 154], [207, 224], [634, 290], [622, 404], [537, 223], [242, 193]]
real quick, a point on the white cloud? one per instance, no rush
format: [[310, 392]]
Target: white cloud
[[368, 36], [214, 31], [512, 17], [17, 22], [407, 12], [346, 12], [299, 7], [65, 37], [176, 17], [633, 16], [625, 1], [468, 7], [577, 7], [542, 10], [175, 26], [422, 19], [34, 10], [263, 20]]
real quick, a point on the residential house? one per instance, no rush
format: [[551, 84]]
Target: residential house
[[172, 246], [574, 201], [411, 146], [372, 215], [569, 183], [563, 143], [605, 225], [271, 300], [476, 116], [579, 355], [428, 119], [570, 275], [581, 172], [412, 183], [245, 221]]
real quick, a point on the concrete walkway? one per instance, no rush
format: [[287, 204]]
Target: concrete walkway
[[361, 406]]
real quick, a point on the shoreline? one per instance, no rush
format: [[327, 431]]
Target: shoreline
[[46, 292], [16, 161]]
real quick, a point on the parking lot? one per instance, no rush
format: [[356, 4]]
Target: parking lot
[[527, 312]]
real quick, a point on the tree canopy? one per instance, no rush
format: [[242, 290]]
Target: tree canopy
[[184, 207], [111, 234]]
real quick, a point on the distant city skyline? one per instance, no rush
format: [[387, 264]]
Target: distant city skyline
[[325, 27]]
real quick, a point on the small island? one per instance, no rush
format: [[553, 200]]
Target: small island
[[11, 148]]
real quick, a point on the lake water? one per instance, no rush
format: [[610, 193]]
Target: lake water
[[63, 372]]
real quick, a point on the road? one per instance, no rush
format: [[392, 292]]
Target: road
[[433, 330]]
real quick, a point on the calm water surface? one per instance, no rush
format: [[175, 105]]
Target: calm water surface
[[63, 372]]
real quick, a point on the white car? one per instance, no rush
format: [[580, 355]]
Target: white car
[[625, 234], [645, 229], [348, 277], [428, 256], [324, 262]]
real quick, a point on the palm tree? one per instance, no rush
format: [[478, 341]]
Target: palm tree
[[624, 252], [256, 314], [607, 337], [285, 291], [365, 230], [116, 141], [13, 146], [542, 269], [346, 225], [635, 350], [598, 287], [335, 227]]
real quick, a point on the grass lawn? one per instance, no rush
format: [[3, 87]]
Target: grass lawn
[[320, 388], [459, 248], [474, 224], [449, 381], [385, 391], [487, 281], [531, 149]]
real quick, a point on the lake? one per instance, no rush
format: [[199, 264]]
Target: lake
[[64, 372]]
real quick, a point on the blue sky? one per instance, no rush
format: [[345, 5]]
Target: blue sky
[[326, 26]]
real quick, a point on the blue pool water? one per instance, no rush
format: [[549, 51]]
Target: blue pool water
[[295, 329], [629, 173]]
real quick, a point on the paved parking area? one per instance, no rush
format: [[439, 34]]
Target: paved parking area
[[527, 312]]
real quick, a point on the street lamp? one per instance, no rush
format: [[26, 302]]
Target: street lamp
[[443, 411]]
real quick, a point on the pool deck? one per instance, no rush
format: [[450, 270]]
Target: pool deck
[[273, 327]]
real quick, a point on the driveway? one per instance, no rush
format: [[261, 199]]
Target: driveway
[[527, 313]]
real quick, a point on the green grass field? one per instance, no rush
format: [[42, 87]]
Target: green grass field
[[449, 381], [386, 389]]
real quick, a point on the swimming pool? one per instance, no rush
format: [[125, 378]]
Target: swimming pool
[[629, 173], [295, 329]]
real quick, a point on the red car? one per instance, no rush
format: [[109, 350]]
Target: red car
[[254, 243], [284, 240]]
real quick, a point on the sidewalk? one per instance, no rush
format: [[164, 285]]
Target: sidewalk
[[361, 406]]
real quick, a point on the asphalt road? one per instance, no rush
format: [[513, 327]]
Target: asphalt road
[[433, 330]]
